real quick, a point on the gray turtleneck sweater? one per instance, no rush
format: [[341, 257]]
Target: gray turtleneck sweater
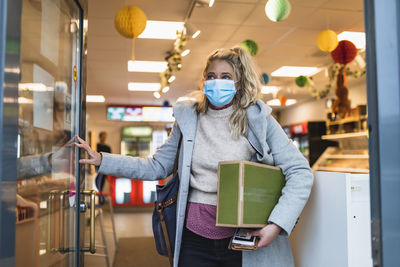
[[214, 143]]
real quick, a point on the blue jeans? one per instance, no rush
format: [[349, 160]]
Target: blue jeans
[[198, 251]]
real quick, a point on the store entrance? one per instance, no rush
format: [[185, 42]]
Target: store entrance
[[47, 227]]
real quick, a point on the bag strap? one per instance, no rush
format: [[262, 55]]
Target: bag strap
[[166, 238], [177, 155], [166, 204]]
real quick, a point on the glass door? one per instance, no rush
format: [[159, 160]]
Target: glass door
[[47, 222]]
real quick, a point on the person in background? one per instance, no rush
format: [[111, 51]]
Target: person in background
[[102, 146], [227, 121]]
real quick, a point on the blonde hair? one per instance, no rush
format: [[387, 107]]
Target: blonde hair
[[248, 88]]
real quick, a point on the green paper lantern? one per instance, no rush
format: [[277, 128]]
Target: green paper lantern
[[250, 46], [301, 81], [264, 78], [277, 10]]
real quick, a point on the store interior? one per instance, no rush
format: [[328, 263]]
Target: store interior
[[310, 56], [301, 101]]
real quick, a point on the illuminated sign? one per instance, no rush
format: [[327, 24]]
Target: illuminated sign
[[136, 131], [140, 114]]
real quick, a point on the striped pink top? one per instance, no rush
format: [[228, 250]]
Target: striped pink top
[[201, 220]]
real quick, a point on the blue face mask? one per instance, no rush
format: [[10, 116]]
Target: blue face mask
[[219, 91]]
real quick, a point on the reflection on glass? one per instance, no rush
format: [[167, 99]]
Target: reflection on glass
[[46, 165]]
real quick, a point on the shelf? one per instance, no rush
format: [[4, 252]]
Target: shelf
[[346, 120], [344, 136], [347, 157], [337, 169]]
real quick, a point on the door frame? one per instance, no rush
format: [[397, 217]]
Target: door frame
[[10, 34], [10, 39], [382, 27]]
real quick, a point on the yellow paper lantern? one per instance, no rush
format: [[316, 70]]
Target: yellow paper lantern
[[327, 40], [130, 22]]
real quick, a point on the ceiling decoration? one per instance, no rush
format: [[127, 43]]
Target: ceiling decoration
[[130, 22], [327, 40], [288, 43], [277, 10]]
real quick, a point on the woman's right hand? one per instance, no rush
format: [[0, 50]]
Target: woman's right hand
[[94, 157]]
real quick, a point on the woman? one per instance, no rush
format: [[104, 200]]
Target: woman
[[228, 122]]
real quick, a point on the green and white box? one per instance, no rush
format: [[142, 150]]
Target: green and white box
[[247, 193]]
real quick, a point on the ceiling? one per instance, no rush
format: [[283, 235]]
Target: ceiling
[[227, 23]]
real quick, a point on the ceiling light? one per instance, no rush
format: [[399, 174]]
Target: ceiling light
[[277, 103], [191, 30], [185, 98], [165, 89], [358, 38], [149, 87], [37, 87], [270, 90], [157, 95], [95, 98], [197, 33], [147, 66], [171, 79], [24, 100], [186, 52], [203, 3], [161, 29], [292, 71]]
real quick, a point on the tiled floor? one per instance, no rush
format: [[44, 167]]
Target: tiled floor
[[130, 223]]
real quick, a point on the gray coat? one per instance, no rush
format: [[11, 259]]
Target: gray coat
[[273, 148]]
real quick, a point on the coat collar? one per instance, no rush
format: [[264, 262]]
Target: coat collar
[[256, 116], [186, 117]]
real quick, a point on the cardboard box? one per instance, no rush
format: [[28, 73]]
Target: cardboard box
[[247, 193]]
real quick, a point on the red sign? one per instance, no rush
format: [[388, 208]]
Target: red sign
[[300, 128]]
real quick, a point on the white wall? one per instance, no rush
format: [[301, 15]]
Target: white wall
[[97, 122], [314, 110]]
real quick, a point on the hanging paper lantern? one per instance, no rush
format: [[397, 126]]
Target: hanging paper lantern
[[301, 81], [283, 100], [250, 46], [277, 10], [264, 78], [344, 53], [327, 40], [130, 22]]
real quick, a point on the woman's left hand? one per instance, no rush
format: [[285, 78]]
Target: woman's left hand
[[267, 234]]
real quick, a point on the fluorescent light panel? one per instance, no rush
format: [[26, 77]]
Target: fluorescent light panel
[[269, 89], [37, 87], [147, 66], [185, 98], [276, 102], [358, 38], [147, 87], [95, 98], [293, 71], [156, 29]]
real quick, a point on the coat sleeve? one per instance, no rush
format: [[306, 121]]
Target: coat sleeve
[[298, 175], [157, 167]]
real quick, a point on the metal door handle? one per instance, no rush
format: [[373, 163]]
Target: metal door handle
[[92, 194], [52, 195], [62, 248]]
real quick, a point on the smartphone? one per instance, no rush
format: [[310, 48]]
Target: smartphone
[[242, 236]]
